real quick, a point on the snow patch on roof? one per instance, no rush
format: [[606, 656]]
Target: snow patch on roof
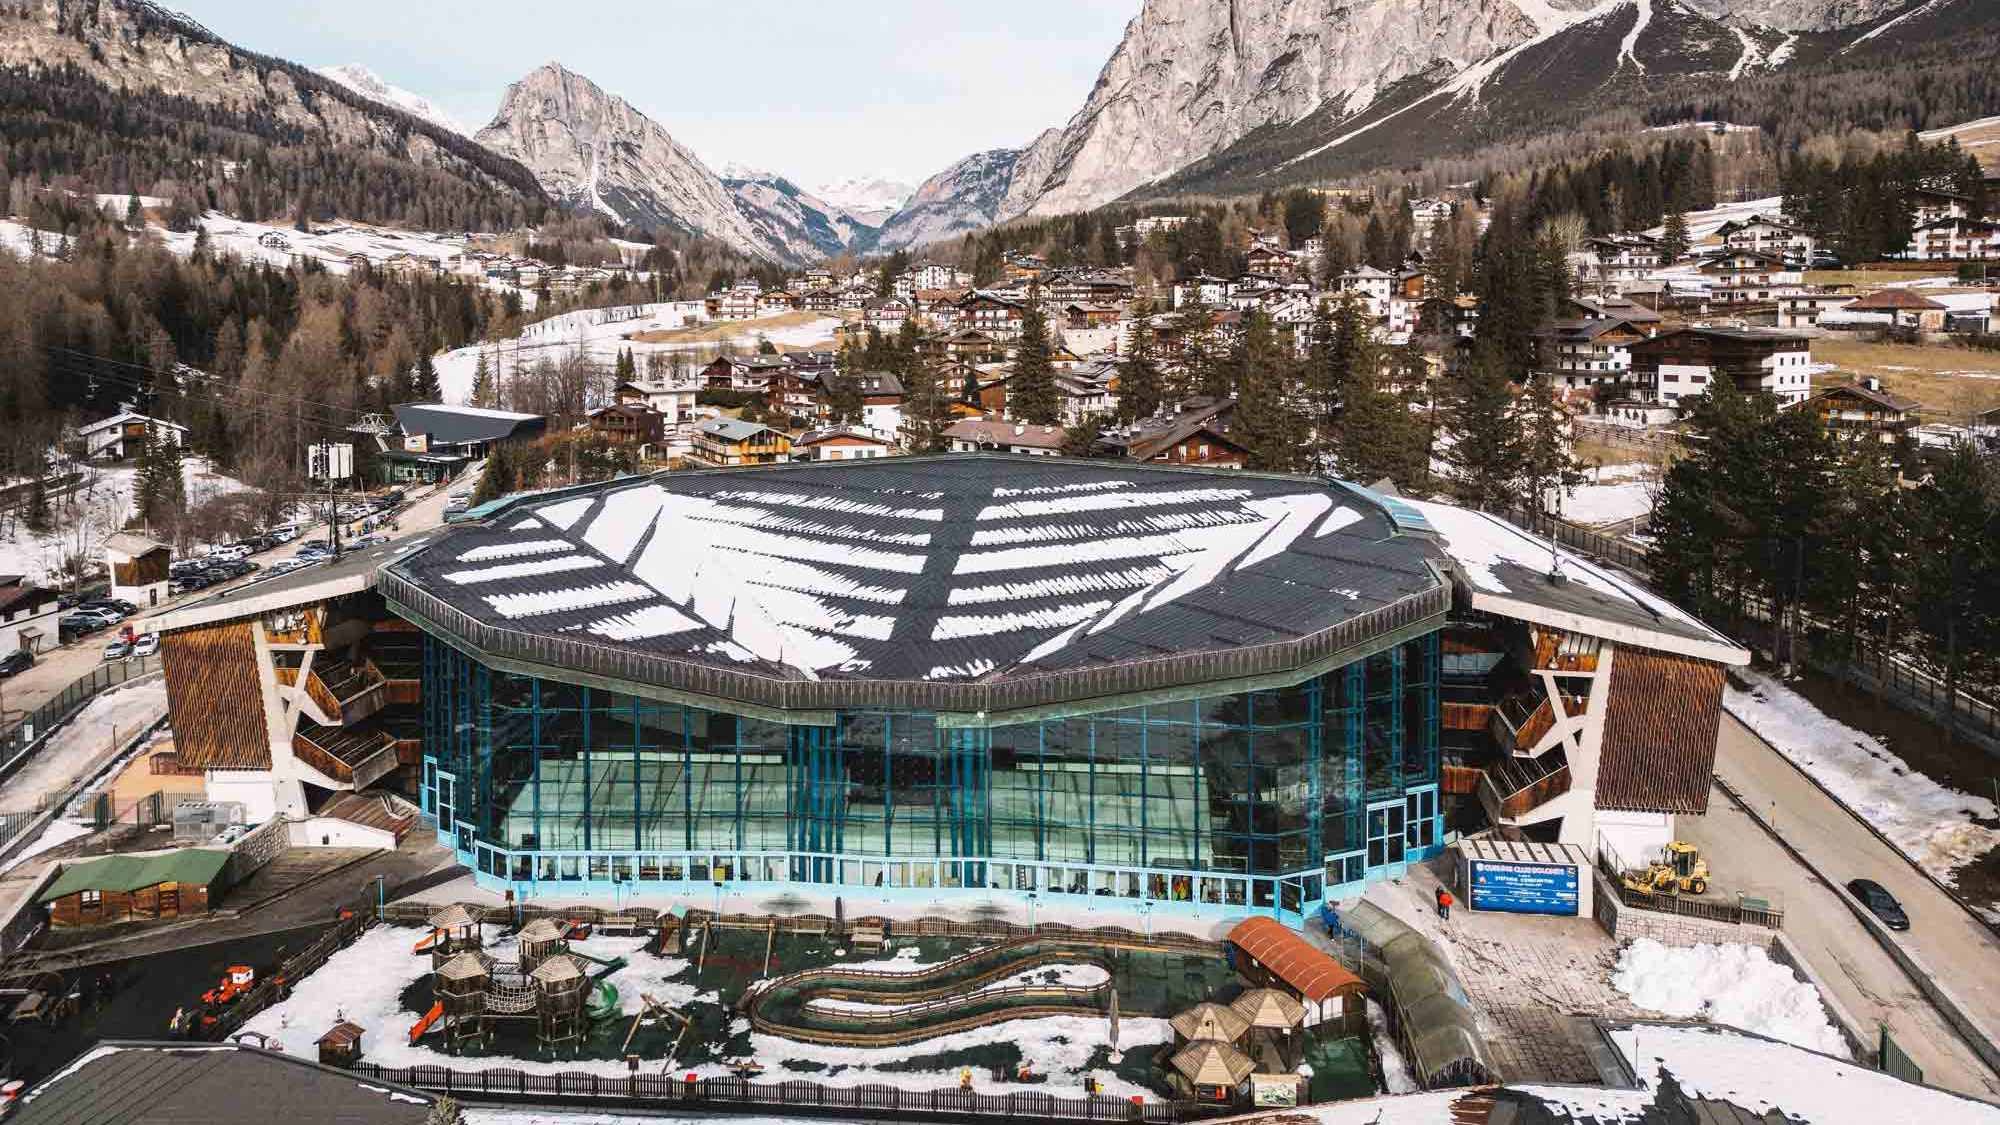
[[1097, 582], [1340, 517], [494, 551], [565, 514], [1108, 501], [952, 627], [642, 624], [560, 601], [531, 568]]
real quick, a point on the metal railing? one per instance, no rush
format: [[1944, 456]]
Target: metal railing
[[657, 1090], [20, 742], [1745, 911], [1415, 613]]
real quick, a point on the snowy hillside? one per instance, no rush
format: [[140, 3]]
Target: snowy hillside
[[365, 82], [101, 505]]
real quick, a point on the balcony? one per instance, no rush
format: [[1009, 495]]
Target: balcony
[[1514, 788], [1518, 724], [355, 756], [1557, 651], [342, 692]]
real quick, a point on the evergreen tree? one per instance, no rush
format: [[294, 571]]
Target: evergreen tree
[[1481, 446], [1675, 240], [1957, 579], [1139, 381], [1549, 469], [1032, 396], [1267, 409], [39, 518], [500, 478], [134, 219], [843, 399], [428, 388], [482, 383], [926, 408], [1379, 435]]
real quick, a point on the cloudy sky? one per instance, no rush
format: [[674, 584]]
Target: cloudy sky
[[812, 89]]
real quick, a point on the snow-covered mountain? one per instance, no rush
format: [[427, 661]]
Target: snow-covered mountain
[[594, 150], [803, 225], [369, 85], [870, 198], [1241, 96]]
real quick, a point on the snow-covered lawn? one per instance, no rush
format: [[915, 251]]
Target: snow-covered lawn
[[364, 983], [103, 505], [112, 717], [1737, 985], [1614, 494], [1932, 824]]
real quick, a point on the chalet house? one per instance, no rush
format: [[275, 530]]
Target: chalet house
[[937, 309], [1745, 276], [1760, 234], [776, 302], [1373, 286], [1425, 215], [1617, 308], [738, 302], [842, 443], [974, 346], [673, 404], [120, 436], [885, 314], [1904, 308], [997, 317], [1592, 352], [930, 275], [138, 567], [1196, 434], [796, 390], [1199, 290], [628, 423], [1863, 412], [820, 301], [818, 279], [1619, 259], [27, 616], [972, 435], [881, 401], [1957, 240], [741, 373], [1100, 287], [1804, 310], [1162, 223], [1677, 365], [1269, 260], [1927, 206], [729, 441]]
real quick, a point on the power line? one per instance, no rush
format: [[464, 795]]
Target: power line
[[197, 374]]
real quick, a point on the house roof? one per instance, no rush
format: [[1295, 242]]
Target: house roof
[[1002, 434], [463, 425], [982, 582], [1886, 399], [1894, 300], [733, 429], [129, 416], [1659, 733], [1209, 1020], [858, 433], [1306, 968], [128, 1083], [1211, 1062], [134, 544], [120, 873]]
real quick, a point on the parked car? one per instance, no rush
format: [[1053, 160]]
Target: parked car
[[146, 645], [99, 618], [456, 504], [1880, 903], [370, 541], [116, 605], [227, 553], [16, 662], [68, 601], [118, 649]]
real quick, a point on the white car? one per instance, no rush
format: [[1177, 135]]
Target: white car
[[231, 553], [146, 645]]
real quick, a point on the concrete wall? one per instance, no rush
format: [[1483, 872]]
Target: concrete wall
[[1625, 924], [327, 831]]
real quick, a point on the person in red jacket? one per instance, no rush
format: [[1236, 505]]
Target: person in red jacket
[[1444, 902]]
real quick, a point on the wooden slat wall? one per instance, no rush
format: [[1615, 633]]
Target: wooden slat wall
[[1659, 733], [212, 690]]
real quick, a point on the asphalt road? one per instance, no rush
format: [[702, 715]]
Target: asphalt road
[[1962, 951]]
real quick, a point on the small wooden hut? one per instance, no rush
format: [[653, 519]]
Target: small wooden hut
[[1269, 1009], [341, 1046], [461, 986], [1211, 1069], [1209, 1020], [560, 989], [541, 939], [454, 930]]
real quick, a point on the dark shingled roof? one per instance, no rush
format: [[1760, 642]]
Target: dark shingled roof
[[464, 425], [929, 572], [1659, 733], [213, 1084]]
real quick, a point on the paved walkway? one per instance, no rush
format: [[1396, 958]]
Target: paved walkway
[[1961, 950]]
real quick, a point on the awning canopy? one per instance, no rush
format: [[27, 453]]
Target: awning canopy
[[1310, 972]]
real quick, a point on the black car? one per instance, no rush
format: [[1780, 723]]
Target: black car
[[16, 662], [1880, 903]]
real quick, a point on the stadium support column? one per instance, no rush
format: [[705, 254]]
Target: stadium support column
[[812, 803], [970, 770]]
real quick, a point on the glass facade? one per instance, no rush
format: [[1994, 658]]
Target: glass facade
[[1263, 800]]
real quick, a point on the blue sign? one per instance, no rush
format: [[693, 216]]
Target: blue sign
[[1524, 888]]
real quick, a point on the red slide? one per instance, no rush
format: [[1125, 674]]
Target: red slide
[[435, 1014]]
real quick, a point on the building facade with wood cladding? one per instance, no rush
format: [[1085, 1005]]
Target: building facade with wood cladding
[[1204, 689]]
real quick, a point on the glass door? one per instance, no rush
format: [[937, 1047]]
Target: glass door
[[1385, 837]]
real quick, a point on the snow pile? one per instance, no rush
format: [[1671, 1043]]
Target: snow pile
[[1737, 985], [75, 748], [1615, 494], [1395, 1069], [1932, 824], [1062, 976], [102, 503]]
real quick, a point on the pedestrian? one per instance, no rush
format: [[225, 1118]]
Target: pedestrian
[[1444, 903]]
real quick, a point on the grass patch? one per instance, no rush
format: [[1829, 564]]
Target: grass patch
[[1875, 279], [1950, 383], [723, 330]]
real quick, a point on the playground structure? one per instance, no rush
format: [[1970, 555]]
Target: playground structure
[[548, 984], [953, 996]]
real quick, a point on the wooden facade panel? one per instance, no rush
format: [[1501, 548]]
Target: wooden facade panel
[[164, 900], [212, 688], [142, 571], [1659, 733]]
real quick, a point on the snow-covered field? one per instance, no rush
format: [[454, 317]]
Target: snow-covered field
[[1737, 985], [1932, 824], [1703, 224], [106, 504], [601, 334], [111, 717], [364, 983], [1615, 493]]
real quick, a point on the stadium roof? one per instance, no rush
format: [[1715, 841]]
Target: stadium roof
[[964, 583]]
